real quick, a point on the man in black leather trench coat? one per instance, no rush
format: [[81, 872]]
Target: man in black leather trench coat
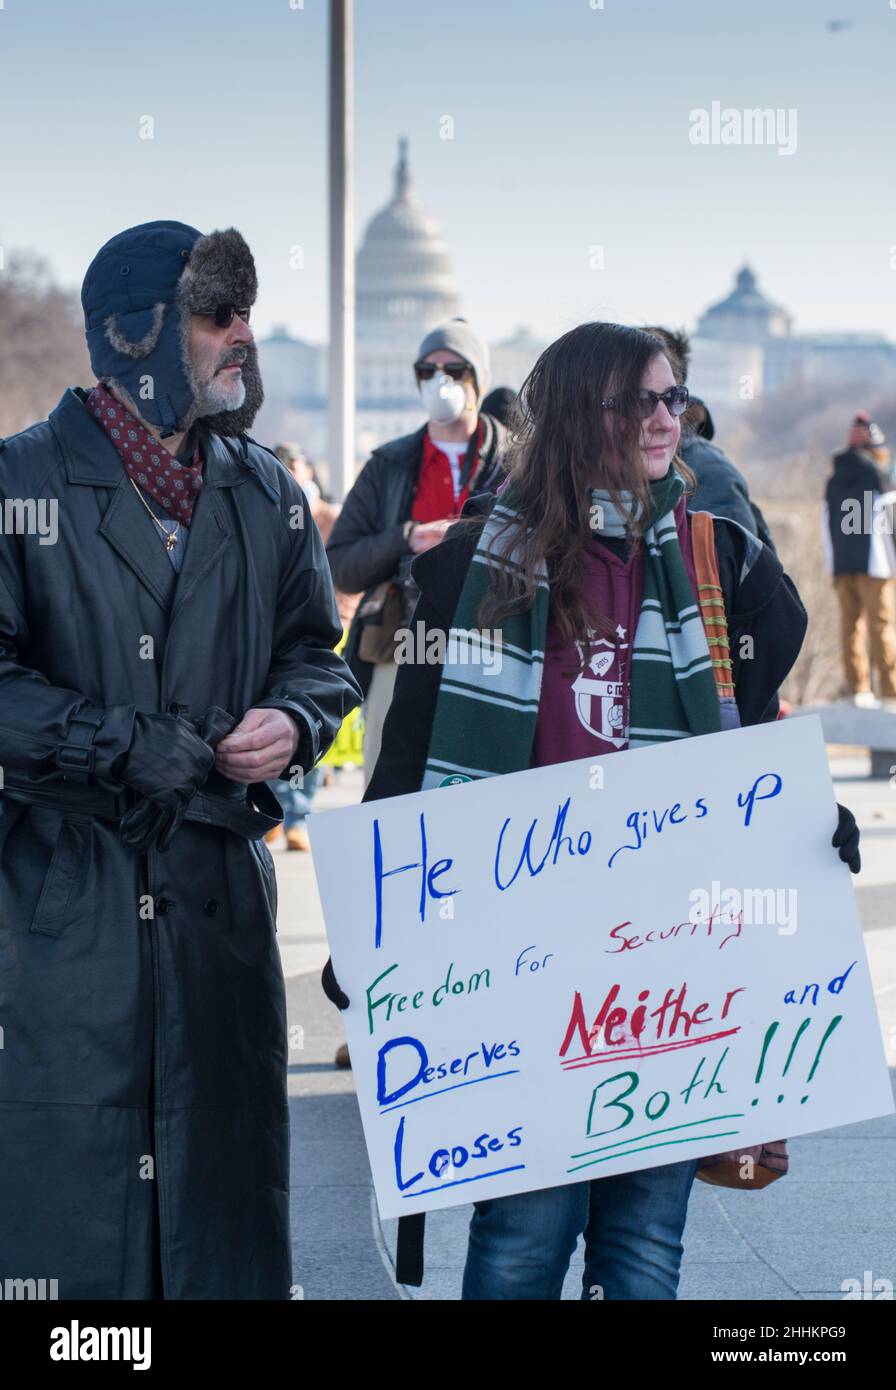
[[146, 692]]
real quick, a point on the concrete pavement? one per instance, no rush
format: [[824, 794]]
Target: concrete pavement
[[831, 1219]]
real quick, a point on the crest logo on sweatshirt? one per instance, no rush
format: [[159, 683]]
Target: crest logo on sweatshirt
[[600, 703]]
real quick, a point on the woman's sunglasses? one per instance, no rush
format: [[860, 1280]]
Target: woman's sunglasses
[[223, 314], [425, 371], [675, 400]]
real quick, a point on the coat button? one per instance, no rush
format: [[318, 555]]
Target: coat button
[[210, 906], [124, 270], [164, 906]]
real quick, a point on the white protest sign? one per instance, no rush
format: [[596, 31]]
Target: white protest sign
[[600, 966]]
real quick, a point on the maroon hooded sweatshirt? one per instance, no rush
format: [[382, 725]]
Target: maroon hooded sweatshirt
[[584, 713]]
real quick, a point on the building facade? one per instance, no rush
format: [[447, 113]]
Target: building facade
[[744, 345]]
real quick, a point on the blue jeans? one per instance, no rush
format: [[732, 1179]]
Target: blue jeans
[[296, 802], [520, 1246]]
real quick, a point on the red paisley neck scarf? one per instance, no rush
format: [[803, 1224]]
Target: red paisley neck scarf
[[175, 486]]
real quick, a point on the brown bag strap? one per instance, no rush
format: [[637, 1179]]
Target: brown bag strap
[[711, 600]]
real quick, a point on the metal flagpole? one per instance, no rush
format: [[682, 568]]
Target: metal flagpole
[[342, 253]]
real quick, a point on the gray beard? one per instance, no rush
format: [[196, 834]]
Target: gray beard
[[217, 396], [225, 418], [239, 419]]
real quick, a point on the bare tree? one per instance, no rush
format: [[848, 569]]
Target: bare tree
[[42, 347]]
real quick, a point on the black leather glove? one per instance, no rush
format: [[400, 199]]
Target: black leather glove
[[331, 987], [846, 838], [216, 724], [167, 763]]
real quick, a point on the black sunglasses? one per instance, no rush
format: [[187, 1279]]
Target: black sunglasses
[[223, 314], [676, 401], [425, 371]]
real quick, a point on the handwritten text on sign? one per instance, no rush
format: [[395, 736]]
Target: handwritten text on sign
[[605, 965]]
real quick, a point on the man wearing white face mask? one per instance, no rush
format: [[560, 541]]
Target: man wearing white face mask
[[402, 503]]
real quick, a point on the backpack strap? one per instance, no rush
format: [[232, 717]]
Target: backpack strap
[[711, 600]]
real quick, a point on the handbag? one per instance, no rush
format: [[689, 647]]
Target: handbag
[[390, 607], [755, 1165], [381, 615]]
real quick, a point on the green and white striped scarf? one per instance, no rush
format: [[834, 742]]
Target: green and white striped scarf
[[487, 707]]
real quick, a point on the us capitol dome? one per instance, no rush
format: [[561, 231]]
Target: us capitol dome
[[404, 286], [404, 281]]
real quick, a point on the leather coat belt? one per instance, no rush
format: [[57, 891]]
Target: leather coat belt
[[249, 811]]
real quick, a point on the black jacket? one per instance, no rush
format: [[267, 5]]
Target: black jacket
[[760, 602], [367, 544], [143, 1103], [721, 487], [855, 475]]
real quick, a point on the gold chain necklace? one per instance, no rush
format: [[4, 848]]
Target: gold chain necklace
[[171, 537]]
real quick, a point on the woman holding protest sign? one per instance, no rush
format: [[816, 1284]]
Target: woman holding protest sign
[[593, 578]]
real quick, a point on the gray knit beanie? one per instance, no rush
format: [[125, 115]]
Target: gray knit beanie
[[457, 336]]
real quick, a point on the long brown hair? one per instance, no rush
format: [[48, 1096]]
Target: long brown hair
[[563, 444]]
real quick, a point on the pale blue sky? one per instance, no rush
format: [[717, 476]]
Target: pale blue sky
[[571, 130]]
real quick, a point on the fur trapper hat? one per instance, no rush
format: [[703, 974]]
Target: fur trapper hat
[[138, 295]]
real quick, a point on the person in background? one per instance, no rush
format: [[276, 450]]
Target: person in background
[[721, 488], [296, 796], [323, 509], [404, 500], [401, 505], [500, 404], [879, 450], [296, 462], [586, 561], [857, 534]]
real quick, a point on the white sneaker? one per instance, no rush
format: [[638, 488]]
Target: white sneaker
[[865, 699], [889, 704]]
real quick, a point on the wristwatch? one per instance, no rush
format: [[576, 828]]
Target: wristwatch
[[408, 528]]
